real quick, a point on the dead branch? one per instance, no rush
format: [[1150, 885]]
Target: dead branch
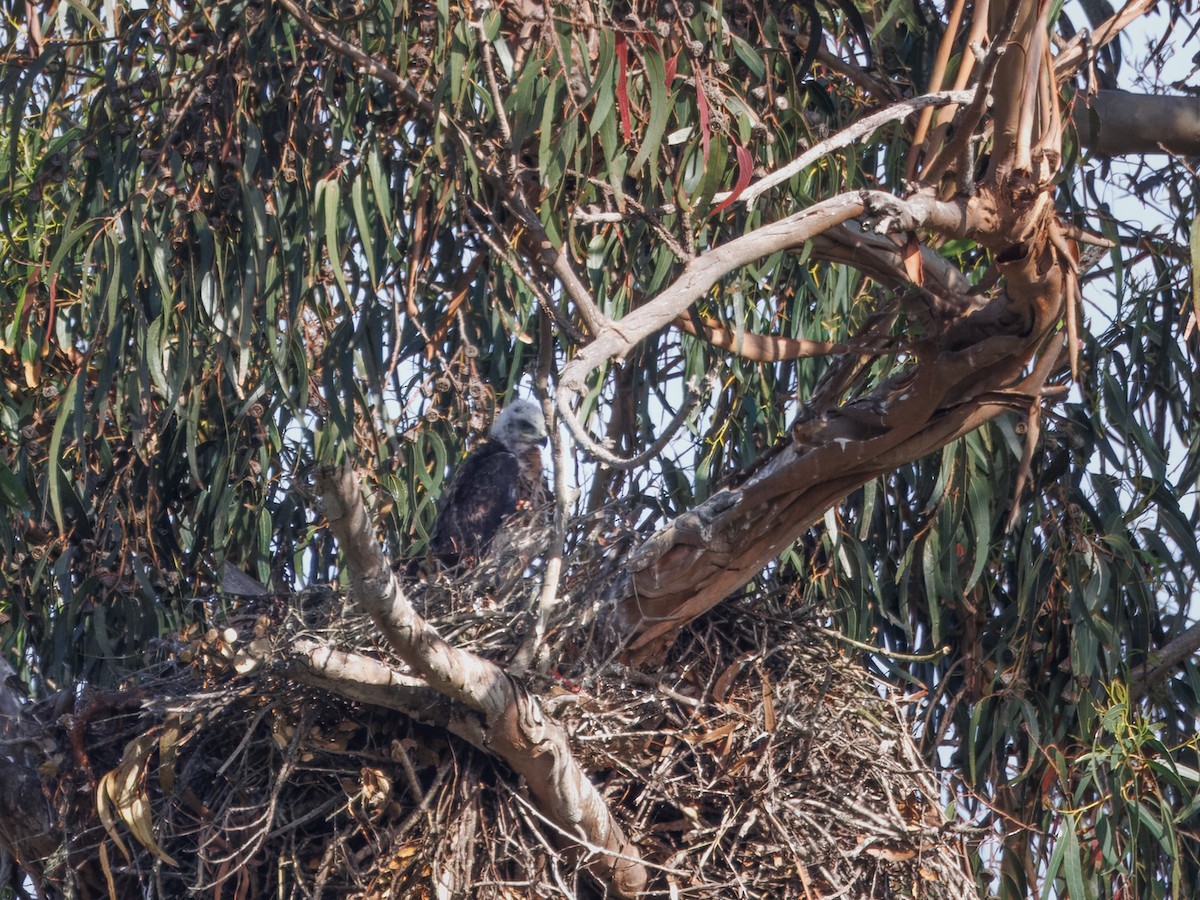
[[616, 339]]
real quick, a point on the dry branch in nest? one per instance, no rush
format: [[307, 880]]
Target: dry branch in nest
[[757, 760]]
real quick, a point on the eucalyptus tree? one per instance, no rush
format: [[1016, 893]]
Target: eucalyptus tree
[[833, 302]]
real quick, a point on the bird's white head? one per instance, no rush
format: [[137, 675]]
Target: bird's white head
[[520, 426]]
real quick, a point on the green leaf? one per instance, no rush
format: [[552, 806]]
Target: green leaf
[[57, 477], [13, 491], [363, 223], [749, 56], [328, 204], [1072, 862], [660, 109]]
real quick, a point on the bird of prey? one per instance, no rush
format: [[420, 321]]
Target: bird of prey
[[501, 476]]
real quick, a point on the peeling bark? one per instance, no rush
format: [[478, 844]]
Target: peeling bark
[[720, 546], [968, 367]]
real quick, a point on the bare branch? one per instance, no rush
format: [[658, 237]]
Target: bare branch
[[757, 347], [893, 113], [1075, 53], [605, 456], [368, 680], [618, 338], [1114, 123], [548, 597]]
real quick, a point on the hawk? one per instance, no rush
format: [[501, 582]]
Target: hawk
[[501, 476]]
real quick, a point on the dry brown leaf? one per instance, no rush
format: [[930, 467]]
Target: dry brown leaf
[[914, 267], [120, 789], [725, 680], [168, 751], [768, 703]]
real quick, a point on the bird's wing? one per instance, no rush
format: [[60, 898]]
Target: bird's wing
[[484, 490]]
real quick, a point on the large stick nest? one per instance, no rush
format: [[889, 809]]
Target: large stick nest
[[758, 761]]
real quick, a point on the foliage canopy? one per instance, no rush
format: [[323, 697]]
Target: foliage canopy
[[239, 239]]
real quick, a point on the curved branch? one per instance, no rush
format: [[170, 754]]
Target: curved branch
[[1076, 52], [764, 348], [827, 224], [853, 133], [371, 681], [618, 338], [517, 728]]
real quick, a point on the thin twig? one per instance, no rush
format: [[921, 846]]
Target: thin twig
[[606, 456], [489, 69], [879, 651], [548, 597]]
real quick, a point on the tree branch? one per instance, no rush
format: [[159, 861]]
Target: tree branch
[[894, 112], [1114, 123], [1076, 52], [605, 456], [756, 347], [1162, 663], [368, 680], [517, 729], [617, 338]]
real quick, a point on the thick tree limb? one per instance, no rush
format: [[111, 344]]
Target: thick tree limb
[[1115, 123], [616, 339], [721, 545], [1163, 663], [963, 376], [367, 680], [969, 366], [756, 347], [517, 729]]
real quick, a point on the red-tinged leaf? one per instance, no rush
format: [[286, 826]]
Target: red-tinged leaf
[[745, 169], [914, 267], [623, 87], [671, 66], [702, 105]]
